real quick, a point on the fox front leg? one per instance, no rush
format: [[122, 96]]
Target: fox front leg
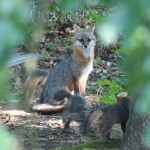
[[66, 126], [83, 128], [82, 87], [123, 126], [76, 85]]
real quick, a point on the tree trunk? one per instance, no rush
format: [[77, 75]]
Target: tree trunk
[[134, 136]]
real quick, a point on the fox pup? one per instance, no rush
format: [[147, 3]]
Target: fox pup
[[109, 115], [70, 74], [36, 79], [76, 109]]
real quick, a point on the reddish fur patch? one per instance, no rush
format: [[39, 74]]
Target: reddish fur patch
[[79, 56], [70, 83]]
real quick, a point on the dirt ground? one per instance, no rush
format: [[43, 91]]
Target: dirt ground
[[41, 132]]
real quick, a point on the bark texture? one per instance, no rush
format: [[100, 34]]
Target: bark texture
[[134, 136]]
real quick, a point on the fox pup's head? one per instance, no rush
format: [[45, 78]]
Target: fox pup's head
[[84, 39], [123, 100]]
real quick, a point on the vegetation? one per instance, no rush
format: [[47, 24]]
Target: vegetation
[[96, 144], [115, 20], [13, 24]]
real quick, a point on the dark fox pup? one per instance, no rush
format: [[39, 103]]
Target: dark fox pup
[[76, 109], [71, 73], [109, 115], [35, 80]]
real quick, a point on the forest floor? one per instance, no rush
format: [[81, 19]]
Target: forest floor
[[41, 132]]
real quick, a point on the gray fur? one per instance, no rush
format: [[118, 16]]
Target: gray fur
[[76, 109]]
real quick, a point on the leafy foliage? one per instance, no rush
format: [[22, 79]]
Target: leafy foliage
[[113, 89], [131, 18], [134, 20], [13, 24], [80, 12], [7, 141]]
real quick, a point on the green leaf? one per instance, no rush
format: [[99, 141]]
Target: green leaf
[[114, 90], [114, 83], [108, 99], [104, 82]]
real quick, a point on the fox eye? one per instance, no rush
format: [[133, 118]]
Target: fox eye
[[89, 40], [80, 40]]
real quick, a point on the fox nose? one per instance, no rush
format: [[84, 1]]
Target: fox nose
[[85, 46]]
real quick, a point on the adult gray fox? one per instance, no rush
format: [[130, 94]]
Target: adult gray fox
[[71, 73]]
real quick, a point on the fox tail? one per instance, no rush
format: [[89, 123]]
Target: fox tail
[[93, 116]]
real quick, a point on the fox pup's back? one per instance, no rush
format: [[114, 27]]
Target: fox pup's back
[[109, 115], [76, 109], [72, 73]]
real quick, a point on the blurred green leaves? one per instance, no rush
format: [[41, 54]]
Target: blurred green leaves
[[14, 20], [137, 61], [72, 5], [143, 106], [14, 17], [133, 19], [16, 9], [7, 141]]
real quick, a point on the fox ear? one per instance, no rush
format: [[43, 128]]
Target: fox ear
[[76, 28], [91, 28]]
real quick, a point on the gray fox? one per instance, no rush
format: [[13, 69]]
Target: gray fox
[[109, 115], [36, 79], [71, 73], [76, 109]]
